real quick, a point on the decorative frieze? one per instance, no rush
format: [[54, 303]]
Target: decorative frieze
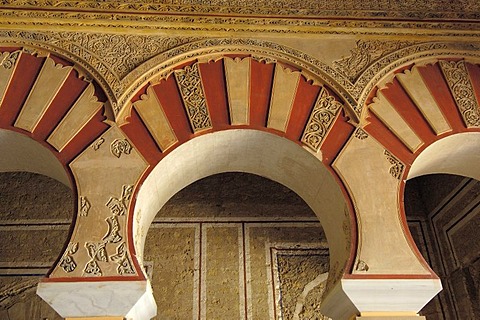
[[321, 119], [191, 89]]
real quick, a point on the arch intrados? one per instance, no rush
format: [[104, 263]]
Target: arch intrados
[[22, 153], [457, 154], [255, 152]]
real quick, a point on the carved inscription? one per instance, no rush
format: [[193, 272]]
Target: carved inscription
[[458, 80], [84, 206], [67, 263], [8, 59], [397, 166], [321, 119], [190, 84], [120, 146]]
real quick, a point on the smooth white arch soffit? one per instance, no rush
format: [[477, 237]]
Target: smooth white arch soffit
[[456, 154], [21, 153], [249, 151]]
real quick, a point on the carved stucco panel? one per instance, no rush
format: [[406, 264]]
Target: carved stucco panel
[[107, 181], [367, 174]]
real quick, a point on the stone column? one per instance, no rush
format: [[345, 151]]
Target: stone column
[[389, 278], [99, 274]]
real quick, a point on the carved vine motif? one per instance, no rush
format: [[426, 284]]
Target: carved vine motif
[[84, 206], [67, 263], [321, 119], [456, 74], [118, 206], [364, 54], [96, 145], [97, 252], [397, 166], [190, 84], [361, 134], [121, 258], [120, 146], [8, 59]]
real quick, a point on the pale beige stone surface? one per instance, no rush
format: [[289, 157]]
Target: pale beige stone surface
[[171, 247]]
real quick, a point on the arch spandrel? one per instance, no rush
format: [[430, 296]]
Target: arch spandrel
[[279, 98], [198, 120], [201, 98]]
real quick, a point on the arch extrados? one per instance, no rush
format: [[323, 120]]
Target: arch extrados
[[162, 65], [383, 70], [86, 70]]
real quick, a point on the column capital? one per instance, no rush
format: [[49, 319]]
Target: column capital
[[371, 298], [110, 300]]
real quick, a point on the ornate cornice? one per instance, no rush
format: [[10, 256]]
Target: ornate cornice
[[466, 10], [244, 18]]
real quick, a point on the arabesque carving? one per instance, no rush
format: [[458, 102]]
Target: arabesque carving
[[119, 147], [84, 206], [364, 54], [360, 134], [362, 266], [458, 80], [113, 235], [8, 59], [67, 263], [96, 145], [191, 88], [119, 206], [397, 166], [121, 258], [321, 119], [96, 252]]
